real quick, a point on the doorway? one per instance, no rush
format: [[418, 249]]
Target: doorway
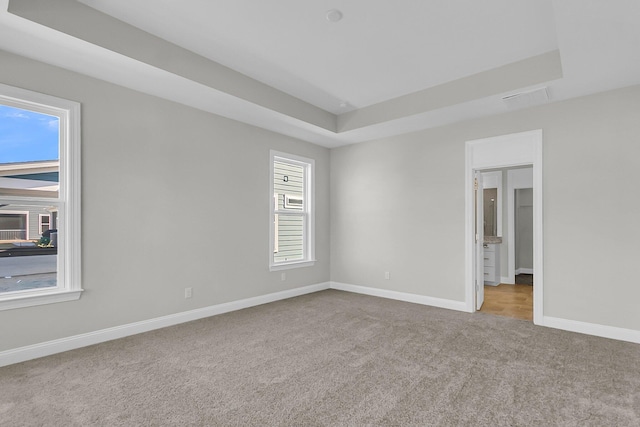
[[507, 151], [505, 295]]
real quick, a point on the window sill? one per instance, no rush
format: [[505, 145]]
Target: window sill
[[38, 298], [290, 265]]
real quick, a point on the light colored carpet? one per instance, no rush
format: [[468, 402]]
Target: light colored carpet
[[333, 358]]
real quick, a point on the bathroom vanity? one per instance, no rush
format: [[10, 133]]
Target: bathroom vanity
[[492, 261]]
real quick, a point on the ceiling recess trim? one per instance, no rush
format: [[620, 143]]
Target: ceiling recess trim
[[72, 35]]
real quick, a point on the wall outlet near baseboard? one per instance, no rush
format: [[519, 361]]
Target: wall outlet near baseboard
[[283, 276], [387, 275], [188, 292]]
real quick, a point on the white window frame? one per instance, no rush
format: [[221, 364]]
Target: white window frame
[[68, 286], [40, 216], [308, 212], [289, 202]]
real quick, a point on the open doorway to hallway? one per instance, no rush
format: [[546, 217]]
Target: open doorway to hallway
[[517, 150], [509, 281]]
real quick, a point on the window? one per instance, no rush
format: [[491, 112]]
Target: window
[[44, 223], [39, 199], [13, 225], [292, 228]]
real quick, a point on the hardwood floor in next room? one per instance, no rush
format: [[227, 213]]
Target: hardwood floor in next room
[[515, 301]]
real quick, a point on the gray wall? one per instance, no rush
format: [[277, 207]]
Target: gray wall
[[147, 166], [523, 225], [397, 204], [504, 247]]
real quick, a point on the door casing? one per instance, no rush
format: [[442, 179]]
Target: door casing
[[518, 149], [478, 187]]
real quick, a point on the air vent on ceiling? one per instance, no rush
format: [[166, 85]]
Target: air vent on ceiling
[[527, 99]]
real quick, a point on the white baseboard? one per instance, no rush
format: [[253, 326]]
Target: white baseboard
[[622, 334], [524, 271], [505, 279], [401, 296], [35, 351]]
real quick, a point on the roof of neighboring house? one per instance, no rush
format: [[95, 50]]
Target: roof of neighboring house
[[29, 168], [39, 178]]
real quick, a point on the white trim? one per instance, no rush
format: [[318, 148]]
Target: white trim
[[505, 280], [294, 264], [612, 332], [68, 201], [40, 216], [34, 351], [288, 205], [35, 297], [504, 151], [469, 231], [524, 271], [276, 224], [538, 232], [402, 296]]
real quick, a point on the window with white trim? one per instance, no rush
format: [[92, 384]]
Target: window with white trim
[[44, 223], [39, 199], [292, 228]]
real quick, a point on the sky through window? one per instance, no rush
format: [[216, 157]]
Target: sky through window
[[27, 136]]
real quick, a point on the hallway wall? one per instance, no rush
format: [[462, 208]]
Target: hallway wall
[[523, 223]]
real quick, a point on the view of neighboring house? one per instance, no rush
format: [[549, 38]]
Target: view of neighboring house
[[288, 183], [20, 221]]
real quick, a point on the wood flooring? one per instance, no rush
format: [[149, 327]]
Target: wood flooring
[[515, 301]]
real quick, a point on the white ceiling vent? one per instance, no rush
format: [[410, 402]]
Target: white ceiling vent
[[527, 99]]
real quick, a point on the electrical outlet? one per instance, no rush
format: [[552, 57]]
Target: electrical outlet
[[283, 276], [187, 292], [387, 275]]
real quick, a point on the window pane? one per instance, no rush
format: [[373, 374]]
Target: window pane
[[29, 153], [288, 185], [28, 259], [29, 168], [290, 232]]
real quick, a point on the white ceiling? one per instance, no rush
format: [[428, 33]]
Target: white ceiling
[[380, 49], [378, 52]]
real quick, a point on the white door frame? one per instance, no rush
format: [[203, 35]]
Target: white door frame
[[518, 149], [478, 239]]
